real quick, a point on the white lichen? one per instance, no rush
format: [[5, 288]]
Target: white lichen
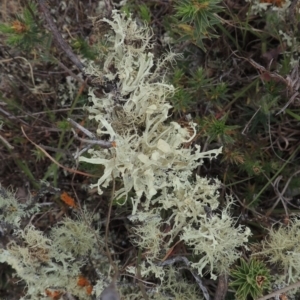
[[283, 249], [52, 261], [260, 7], [152, 160]]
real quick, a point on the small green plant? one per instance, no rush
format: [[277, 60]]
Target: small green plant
[[196, 87], [196, 20], [145, 13], [24, 31], [84, 48], [217, 129], [250, 279]]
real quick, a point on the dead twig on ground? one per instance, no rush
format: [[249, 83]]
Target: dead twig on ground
[[281, 291], [222, 287], [58, 39], [53, 160], [187, 263], [93, 141]]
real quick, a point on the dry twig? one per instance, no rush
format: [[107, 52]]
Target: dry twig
[[187, 263], [60, 42]]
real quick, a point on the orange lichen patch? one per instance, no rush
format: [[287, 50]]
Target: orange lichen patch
[[19, 27], [68, 200], [82, 281], [278, 3], [55, 295], [89, 289], [114, 144]]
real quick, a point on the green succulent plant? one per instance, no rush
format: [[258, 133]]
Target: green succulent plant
[[250, 279]]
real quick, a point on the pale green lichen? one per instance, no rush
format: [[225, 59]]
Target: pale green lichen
[[260, 7], [11, 210], [73, 235], [52, 261], [175, 287], [216, 240], [154, 163], [283, 249], [151, 159]]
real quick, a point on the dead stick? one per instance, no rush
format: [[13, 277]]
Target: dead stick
[[60, 42]]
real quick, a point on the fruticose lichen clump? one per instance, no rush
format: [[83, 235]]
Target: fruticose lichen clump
[[282, 248], [54, 261], [152, 157], [153, 164]]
